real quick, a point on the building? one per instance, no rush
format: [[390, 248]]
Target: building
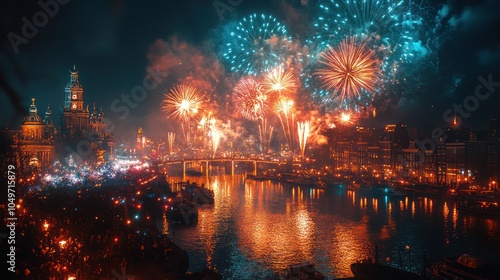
[[36, 140], [74, 118], [80, 127], [39, 143]]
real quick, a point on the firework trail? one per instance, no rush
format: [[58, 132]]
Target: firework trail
[[265, 135], [283, 108], [216, 136], [171, 139], [205, 122], [303, 132]]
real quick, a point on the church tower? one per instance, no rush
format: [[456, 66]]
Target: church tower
[[74, 117]]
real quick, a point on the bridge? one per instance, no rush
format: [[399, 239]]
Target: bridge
[[205, 163]]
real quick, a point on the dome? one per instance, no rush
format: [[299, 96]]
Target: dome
[[74, 84], [33, 117]]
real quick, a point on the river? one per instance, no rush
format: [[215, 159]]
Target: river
[[254, 230]]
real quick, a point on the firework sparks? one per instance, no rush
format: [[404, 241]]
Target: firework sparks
[[249, 99], [349, 69], [256, 44], [278, 80], [183, 102], [216, 136], [303, 129], [346, 118], [204, 123]]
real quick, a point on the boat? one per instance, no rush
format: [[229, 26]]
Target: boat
[[302, 180], [182, 211], [193, 173], [465, 267], [397, 193], [197, 194], [425, 190], [369, 270], [302, 271], [479, 205]]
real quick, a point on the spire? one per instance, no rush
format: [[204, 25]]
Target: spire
[[48, 113], [74, 74], [33, 110], [48, 118], [101, 113]]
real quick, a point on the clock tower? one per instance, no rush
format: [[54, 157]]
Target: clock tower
[[74, 117]]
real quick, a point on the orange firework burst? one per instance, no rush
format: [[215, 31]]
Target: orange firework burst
[[346, 118], [249, 99], [279, 80], [349, 69], [182, 102]]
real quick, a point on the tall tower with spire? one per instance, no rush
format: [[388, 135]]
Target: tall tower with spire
[[74, 117]]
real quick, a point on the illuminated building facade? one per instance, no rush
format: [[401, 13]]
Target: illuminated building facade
[[78, 124], [36, 140]]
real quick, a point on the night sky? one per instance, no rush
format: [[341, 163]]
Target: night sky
[[113, 42]]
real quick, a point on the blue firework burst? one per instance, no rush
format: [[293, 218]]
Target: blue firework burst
[[256, 44]]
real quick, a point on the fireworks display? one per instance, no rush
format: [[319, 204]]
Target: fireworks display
[[352, 64], [348, 70], [396, 31], [390, 26], [255, 45]]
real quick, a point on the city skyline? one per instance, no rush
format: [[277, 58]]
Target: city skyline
[[239, 139]]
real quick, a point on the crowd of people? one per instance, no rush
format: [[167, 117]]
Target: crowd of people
[[89, 232]]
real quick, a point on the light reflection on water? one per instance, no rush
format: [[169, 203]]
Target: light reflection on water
[[254, 230]]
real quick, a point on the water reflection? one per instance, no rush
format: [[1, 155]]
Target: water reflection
[[255, 229]]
